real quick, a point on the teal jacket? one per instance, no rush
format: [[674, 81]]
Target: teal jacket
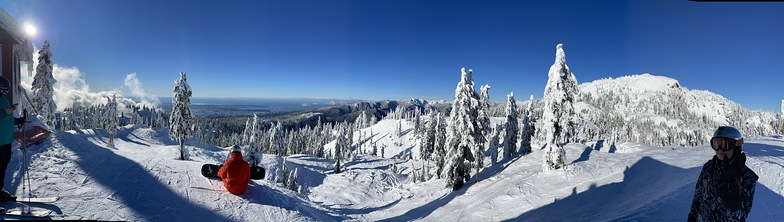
[[6, 123]]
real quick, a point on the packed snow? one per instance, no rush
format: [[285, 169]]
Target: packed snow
[[140, 179]]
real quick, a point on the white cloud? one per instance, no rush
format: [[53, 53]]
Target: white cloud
[[133, 83], [71, 88]]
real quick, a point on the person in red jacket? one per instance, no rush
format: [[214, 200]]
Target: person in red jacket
[[235, 173]]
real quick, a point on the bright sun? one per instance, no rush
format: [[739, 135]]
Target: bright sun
[[30, 29]]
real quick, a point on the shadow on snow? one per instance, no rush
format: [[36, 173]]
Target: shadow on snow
[[134, 186], [661, 189]]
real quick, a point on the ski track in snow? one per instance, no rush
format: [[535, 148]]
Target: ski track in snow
[[141, 180]]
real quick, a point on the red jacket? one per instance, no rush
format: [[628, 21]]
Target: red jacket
[[235, 174]]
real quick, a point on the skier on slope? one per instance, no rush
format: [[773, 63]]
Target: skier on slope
[[235, 173], [725, 187]]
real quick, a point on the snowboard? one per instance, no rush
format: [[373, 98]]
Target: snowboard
[[211, 171], [256, 173], [21, 213]]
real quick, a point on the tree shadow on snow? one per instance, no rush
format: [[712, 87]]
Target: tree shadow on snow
[[261, 194], [599, 144], [406, 153], [133, 186], [124, 134], [423, 211], [757, 149], [650, 190], [584, 156]]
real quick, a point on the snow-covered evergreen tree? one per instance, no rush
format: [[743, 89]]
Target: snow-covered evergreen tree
[[292, 183], [283, 172], [251, 151], [511, 126], [110, 121], [399, 128], [43, 85], [494, 144], [439, 150], [276, 139], [340, 144], [427, 143], [558, 115], [483, 118], [463, 132], [181, 120], [417, 123], [526, 129], [362, 120], [246, 133]]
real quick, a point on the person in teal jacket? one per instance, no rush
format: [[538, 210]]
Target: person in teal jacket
[[6, 136]]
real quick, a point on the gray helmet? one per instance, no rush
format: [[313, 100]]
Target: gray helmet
[[236, 148], [727, 132], [5, 85]]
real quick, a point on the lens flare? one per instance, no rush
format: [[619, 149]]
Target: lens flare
[[30, 29]]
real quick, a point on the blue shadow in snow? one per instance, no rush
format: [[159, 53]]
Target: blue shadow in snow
[[640, 185], [260, 194], [584, 156], [644, 183], [134, 187], [423, 211], [599, 144]]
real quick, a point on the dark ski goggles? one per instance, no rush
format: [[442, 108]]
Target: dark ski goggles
[[726, 144]]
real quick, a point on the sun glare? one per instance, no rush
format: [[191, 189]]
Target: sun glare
[[30, 29]]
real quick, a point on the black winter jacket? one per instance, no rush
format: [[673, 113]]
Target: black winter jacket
[[708, 203]]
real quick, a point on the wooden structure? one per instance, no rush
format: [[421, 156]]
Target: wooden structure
[[15, 47]]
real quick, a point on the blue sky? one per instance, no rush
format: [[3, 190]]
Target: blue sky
[[385, 49]]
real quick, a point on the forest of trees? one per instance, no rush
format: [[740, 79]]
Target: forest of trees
[[454, 136]]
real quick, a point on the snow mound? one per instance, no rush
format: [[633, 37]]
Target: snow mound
[[637, 84]]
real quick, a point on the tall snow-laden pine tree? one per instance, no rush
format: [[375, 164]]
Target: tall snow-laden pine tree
[[181, 119], [251, 152], [340, 145], [511, 126], [292, 182], [463, 132], [526, 129], [427, 143], [494, 144], [439, 152], [276, 139], [781, 119], [43, 85], [558, 115], [110, 119], [483, 119]]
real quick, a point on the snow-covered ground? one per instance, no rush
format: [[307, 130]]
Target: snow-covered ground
[[141, 180]]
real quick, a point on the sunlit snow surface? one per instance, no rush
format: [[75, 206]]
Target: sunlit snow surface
[[140, 180]]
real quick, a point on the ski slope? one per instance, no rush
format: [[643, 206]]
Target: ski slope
[[141, 180]]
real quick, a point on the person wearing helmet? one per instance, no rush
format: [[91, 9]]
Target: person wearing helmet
[[235, 173], [6, 136], [725, 187]]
